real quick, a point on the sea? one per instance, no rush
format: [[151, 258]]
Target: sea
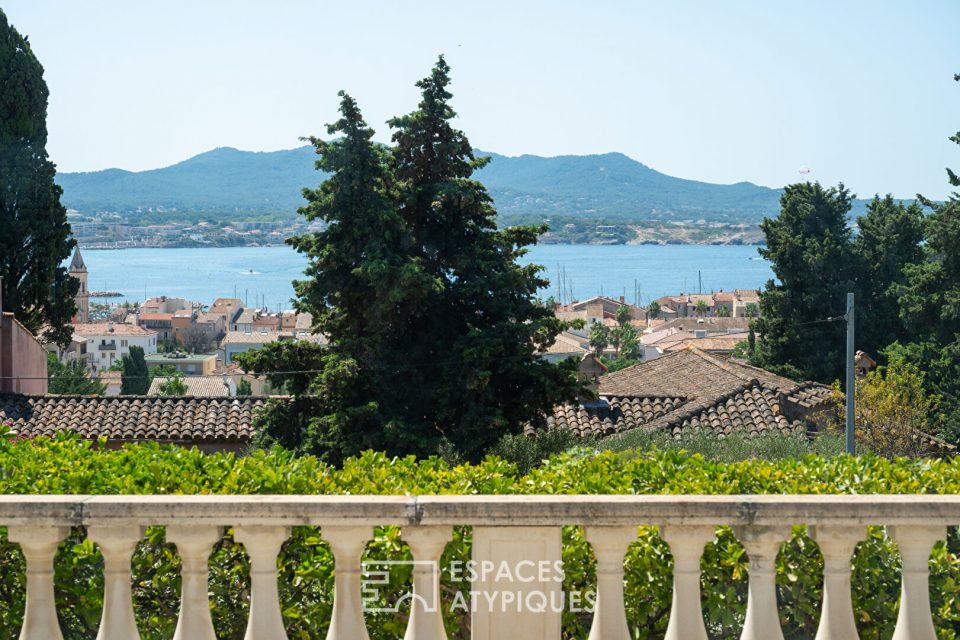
[[263, 276]]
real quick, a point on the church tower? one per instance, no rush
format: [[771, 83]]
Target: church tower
[[79, 271]]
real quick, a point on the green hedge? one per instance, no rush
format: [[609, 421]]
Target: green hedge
[[68, 465]]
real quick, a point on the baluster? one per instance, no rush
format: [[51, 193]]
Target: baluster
[[39, 546], [263, 545], [426, 545], [610, 546], [347, 544], [837, 544], [686, 613], [117, 544], [194, 544], [762, 544], [915, 622]]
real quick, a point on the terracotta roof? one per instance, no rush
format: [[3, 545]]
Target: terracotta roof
[[207, 317], [712, 342], [612, 415], [690, 389], [754, 409], [254, 337], [568, 343], [811, 394], [110, 329], [197, 386], [226, 303], [246, 316], [304, 321], [156, 316], [710, 325], [133, 418]]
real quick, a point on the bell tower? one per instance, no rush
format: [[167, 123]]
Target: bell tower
[[79, 271]]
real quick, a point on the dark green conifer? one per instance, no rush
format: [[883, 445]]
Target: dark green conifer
[[34, 234]]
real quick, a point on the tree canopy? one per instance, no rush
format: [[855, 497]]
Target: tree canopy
[[434, 328], [34, 234], [71, 378], [811, 254], [135, 379]]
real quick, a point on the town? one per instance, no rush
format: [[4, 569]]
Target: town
[[114, 231]]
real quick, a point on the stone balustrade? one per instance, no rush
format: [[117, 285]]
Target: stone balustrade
[[513, 529]]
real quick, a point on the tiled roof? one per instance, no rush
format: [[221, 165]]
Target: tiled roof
[[567, 343], [110, 329], [710, 325], [612, 416], [201, 386], [246, 316], [754, 409], [713, 342], [811, 394], [133, 418], [690, 389], [253, 337], [682, 374]]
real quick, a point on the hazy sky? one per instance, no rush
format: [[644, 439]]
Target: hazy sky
[[721, 91]]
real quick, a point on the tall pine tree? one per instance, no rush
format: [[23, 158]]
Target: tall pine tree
[[34, 234]]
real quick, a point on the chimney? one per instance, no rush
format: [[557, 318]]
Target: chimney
[[622, 300]]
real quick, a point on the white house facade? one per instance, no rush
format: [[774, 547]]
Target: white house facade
[[107, 342]]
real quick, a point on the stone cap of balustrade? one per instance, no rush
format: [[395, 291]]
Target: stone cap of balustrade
[[495, 510]]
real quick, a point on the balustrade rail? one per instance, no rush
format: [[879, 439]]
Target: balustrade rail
[[687, 523]]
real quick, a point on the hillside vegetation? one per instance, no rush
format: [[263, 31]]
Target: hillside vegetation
[[609, 187]]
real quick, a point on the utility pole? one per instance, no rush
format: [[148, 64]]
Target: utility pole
[[851, 383]]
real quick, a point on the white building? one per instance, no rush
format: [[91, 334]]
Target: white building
[[107, 342]]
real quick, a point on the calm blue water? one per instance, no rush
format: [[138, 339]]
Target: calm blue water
[[204, 274]]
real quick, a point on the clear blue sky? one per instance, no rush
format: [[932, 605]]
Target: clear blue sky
[[859, 91]]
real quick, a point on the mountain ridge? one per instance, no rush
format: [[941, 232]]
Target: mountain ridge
[[598, 187]]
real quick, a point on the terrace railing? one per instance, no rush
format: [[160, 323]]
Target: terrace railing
[[517, 529]]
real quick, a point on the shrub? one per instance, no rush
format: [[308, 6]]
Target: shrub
[[736, 447], [528, 452], [68, 465]]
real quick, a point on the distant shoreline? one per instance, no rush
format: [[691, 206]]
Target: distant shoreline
[[645, 243]]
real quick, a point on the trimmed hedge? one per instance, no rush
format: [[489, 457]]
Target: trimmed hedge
[[68, 465]]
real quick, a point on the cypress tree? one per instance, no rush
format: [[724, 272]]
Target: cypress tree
[[472, 346], [135, 379], [34, 234]]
